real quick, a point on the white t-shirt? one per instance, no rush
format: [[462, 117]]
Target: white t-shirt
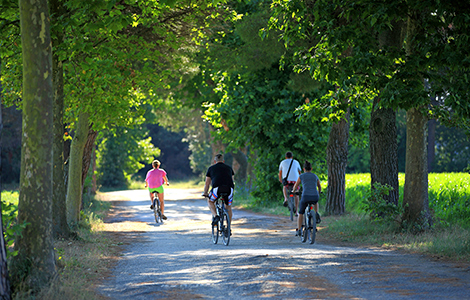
[[294, 170]]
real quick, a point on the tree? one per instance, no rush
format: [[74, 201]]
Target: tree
[[60, 226], [249, 101], [435, 36], [35, 262]]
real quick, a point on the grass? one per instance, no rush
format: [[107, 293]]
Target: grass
[[81, 262], [449, 200]]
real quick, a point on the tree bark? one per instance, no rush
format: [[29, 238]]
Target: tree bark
[[384, 150], [415, 193], [75, 183], [5, 292], [337, 160], [383, 130], [242, 161], [88, 152], [60, 227], [35, 263]]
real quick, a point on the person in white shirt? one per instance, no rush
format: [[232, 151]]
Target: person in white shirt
[[292, 176]]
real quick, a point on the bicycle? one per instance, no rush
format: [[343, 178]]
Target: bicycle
[[222, 227], [291, 200], [309, 225], [156, 208]]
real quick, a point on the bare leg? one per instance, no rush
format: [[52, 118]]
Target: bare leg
[[151, 198], [162, 202], [296, 200], [284, 191], [211, 207], [315, 207], [300, 221], [229, 210]]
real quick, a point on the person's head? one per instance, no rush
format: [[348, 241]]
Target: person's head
[[156, 164], [219, 158], [307, 166], [289, 154]]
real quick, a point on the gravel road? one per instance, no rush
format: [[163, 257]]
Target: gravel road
[[177, 260]]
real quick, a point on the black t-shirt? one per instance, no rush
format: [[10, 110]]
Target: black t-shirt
[[220, 174]]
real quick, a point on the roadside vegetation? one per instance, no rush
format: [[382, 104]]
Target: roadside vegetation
[[81, 262], [449, 201]]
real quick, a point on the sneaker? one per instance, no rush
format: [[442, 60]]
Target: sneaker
[[215, 220], [297, 232], [318, 218], [164, 217], [285, 203], [151, 206], [296, 214]]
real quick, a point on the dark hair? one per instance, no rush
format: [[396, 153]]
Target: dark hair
[[219, 157], [289, 154], [156, 164], [307, 166]]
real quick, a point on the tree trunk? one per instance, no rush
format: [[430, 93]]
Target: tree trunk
[[384, 150], [75, 183], [383, 130], [60, 227], [242, 161], [337, 160], [415, 193], [35, 263], [88, 152], [5, 292]]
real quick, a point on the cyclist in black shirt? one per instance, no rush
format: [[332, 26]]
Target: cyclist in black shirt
[[220, 176]]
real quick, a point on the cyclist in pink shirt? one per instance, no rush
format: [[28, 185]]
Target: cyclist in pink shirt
[[154, 181]]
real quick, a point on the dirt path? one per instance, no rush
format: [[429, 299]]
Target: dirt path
[[177, 260]]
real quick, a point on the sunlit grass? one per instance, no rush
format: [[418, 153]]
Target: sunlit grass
[[449, 200], [10, 197]]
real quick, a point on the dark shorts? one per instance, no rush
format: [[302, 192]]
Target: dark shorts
[[306, 200]]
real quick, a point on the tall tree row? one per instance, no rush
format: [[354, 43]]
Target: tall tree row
[[386, 50]]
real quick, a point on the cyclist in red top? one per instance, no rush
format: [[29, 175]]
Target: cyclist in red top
[[154, 181]]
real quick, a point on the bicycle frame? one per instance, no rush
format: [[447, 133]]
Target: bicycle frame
[[223, 226]]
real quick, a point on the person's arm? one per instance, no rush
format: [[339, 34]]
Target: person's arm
[[280, 176], [166, 180], [297, 183], [206, 186], [319, 186]]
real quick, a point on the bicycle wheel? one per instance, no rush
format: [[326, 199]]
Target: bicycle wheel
[[155, 210], [215, 233], [291, 208], [226, 228], [312, 227]]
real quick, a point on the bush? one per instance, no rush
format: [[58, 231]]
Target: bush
[[378, 208]]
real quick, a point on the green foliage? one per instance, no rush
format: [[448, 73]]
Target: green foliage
[[378, 208], [387, 48], [120, 154], [11, 228]]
